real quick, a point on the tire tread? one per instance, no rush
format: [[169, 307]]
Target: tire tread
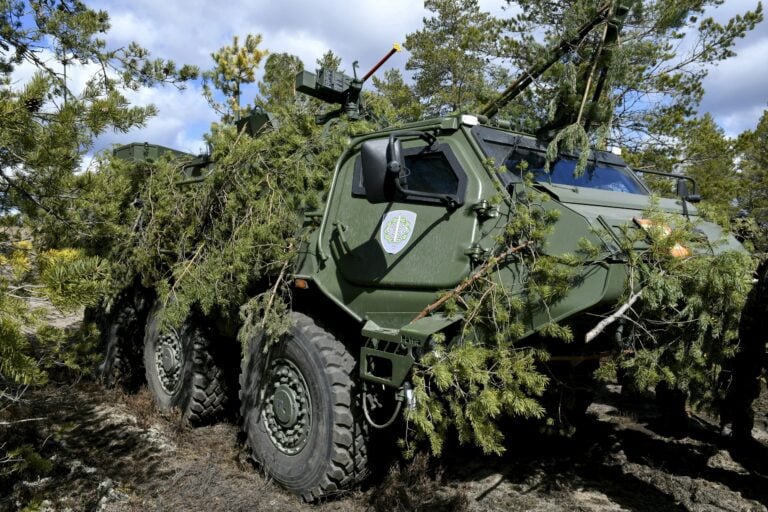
[[348, 462]]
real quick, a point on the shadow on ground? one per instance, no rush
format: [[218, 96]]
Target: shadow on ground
[[84, 447], [108, 451], [619, 460], [113, 452]]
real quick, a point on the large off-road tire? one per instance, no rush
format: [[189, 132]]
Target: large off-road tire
[[750, 361], [122, 332], [299, 405], [182, 371]]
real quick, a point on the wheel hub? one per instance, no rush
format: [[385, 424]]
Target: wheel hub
[[169, 358], [287, 411], [285, 406]]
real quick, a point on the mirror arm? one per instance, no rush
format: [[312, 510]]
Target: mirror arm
[[692, 198], [425, 136]]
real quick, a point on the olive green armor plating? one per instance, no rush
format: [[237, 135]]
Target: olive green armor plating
[[384, 257], [440, 240]]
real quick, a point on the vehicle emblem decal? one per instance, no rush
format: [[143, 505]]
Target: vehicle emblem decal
[[396, 230]]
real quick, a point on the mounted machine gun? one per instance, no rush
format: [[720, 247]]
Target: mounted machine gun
[[336, 87]]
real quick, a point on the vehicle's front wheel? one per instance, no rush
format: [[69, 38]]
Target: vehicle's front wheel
[[181, 369], [299, 408]]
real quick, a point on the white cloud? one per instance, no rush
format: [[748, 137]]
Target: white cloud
[[308, 47], [127, 26], [737, 93], [77, 74], [189, 31], [737, 121], [183, 116]]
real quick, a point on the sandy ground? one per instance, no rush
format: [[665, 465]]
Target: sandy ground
[[104, 450], [116, 452]]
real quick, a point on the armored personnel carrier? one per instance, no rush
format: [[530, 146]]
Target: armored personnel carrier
[[412, 211]]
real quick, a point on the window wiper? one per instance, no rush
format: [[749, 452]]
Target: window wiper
[[511, 151]]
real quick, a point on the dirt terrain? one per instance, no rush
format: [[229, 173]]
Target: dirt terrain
[[115, 452], [105, 450]]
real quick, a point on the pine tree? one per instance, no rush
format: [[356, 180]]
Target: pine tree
[[46, 129], [451, 56], [278, 84], [709, 157], [402, 104], [329, 61], [752, 149], [652, 88], [235, 67], [705, 154]]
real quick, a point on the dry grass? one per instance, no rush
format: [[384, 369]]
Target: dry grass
[[142, 406], [417, 486]]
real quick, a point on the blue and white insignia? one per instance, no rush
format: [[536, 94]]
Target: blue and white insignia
[[396, 230]]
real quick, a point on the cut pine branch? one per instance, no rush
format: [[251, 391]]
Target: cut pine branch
[[605, 322], [480, 272]]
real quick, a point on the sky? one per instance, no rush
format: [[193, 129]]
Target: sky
[[188, 31]]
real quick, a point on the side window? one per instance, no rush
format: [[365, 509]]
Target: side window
[[430, 172], [433, 170]]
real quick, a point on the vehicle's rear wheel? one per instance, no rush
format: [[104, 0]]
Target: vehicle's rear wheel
[[299, 404], [182, 371], [122, 330]]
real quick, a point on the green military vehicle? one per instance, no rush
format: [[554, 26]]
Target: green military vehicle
[[411, 211]]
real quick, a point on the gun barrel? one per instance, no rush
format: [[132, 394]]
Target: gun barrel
[[604, 13], [395, 49]]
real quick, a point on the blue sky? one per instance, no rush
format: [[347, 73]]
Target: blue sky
[[189, 31]]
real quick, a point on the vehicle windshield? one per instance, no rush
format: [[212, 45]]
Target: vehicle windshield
[[597, 175], [518, 154]]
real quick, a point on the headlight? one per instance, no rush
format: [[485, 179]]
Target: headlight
[[663, 230], [649, 225]]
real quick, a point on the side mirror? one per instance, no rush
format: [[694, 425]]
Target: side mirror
[[683, 192], [382, 160]]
